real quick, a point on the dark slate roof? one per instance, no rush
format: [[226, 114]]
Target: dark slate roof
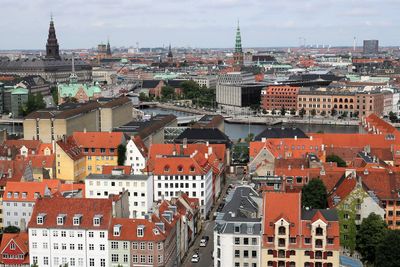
[[196, 135], [175, 83], [330, 215], [64, 64], [280, 132], [241, 204], [313, 77], [243, 228], [149, 84], [117, 177]]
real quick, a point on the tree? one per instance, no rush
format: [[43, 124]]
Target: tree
[[143, 96], [54, 94], [392, 116], [323, 113], [334, 158], [121, 154], [302, 112], [283, 111], [388, 250], [344, 114], [167, 92], [39, 101], [273, 112], [313, 112], [11, 229], [333, 112], [313, 195], [249, 138], [369, 236], [292, 111], [34, 264], [30, 105], [264, 111], [355, 114]]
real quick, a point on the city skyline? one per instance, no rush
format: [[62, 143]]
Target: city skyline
[[199, 25]]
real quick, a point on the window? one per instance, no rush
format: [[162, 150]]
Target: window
[[245, 253], [63, 246], [254, 241], [91, 262], [60, 220], [114, 245], [237, 253], [12, 246], [307, 240], [114, 257], [80, 246], [237, 241], [140, 231], [39, 220], [142, 245], [245, 241], [150, 245], [150, 259], [77, 220], [135, 258], [159, 246], [71, 246], [142, 259], [254, 254], [91, 234], [160, 259], [102, 247], [55, 246], [63, 233]]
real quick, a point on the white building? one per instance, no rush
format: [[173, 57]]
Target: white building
[[238, 230], [174, 174], [139, 187], [70, 231], [136, 153]]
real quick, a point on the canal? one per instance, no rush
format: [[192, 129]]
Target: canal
[[237, 130]]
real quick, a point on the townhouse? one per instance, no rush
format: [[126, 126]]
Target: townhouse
[[19, 200], [70, 161], [293, 236], [72, 231], [139, 187], [136, 154], [99, 149], [237, 234], [14, 250]]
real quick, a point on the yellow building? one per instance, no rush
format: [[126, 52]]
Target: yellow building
[[70, 162], [99, 149]]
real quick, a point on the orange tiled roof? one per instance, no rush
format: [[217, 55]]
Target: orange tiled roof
[[107, 169], [353, 140], [98, 139], [71, 148], [20, 239], [33, 190]]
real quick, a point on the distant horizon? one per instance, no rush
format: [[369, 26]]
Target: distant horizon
[[199, 24]]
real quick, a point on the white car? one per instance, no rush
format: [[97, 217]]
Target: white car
[[203, 243], [195, 258]]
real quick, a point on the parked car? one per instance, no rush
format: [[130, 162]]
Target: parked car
[[195, 258], [204, 241]]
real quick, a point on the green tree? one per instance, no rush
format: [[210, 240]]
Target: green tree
[[191, 89], [273, 112], [388, 250], [392, 116], [11, 229], [313, 195], [283, 111], [292, 111], [302, 112], [34, 264], [344, 114], [249, 138], [30, 105], [323, 113], [167, 92], [333, 112], [334, 158], [54, 94], [39, 101], [143, 96], [369, 236], [355, 114], [121, 154], [313, 112]]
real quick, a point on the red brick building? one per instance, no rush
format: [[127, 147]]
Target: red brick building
[[276, 97], [14, 250]]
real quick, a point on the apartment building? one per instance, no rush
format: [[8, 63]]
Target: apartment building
[[136, 154], [70, 161], [237, 234], [99, 149], [139, 187], [71, 231], [19, 199], [102, 115], [293, 236], [278, 96]]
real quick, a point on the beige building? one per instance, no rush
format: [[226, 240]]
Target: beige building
[[52, 124]]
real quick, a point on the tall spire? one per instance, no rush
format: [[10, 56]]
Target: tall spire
[[238, 54], [52, 48], [108, 52], [73, 78]]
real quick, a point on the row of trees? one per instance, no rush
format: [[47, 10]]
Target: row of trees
[[283, 111], [201, 96]]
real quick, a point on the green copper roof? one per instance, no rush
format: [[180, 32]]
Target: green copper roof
[[238, 43], [70, 90], [19, 91]]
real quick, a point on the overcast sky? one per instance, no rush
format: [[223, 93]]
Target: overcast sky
[[198, 23]]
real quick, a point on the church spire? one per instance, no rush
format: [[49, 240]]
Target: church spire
[[238, 54], [108, 52], [52, 48], [73, 78]]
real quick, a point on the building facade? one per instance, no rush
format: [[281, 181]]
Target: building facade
[[277, 97]]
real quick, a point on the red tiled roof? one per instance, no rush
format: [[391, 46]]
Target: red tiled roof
[[71, 148], [87, 207], [21, 241], [129, 230], [98, 139], [32, 189], [343, 188], [12, 167], [107, 169], [353, 140], [41, 161], [73, 187], [43, 146], [140, 145], [30, 144]]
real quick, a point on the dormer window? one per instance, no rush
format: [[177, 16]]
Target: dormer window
[[180, 168], [24, 194], [97, 220], [166, 168], [155, 231], [60, 219], [16, 194], [237, 228], [40, 218], [192, 168], [9, 194], [77, 219], [117, 230], [36, 195], [140, 231], [12, 246]]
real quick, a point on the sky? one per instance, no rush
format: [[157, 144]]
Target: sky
[[198, 23]]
